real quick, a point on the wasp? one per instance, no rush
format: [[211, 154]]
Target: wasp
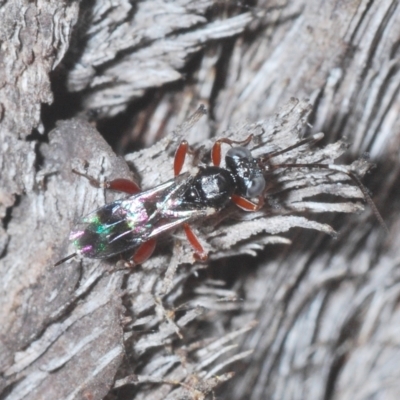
[[133, 224]]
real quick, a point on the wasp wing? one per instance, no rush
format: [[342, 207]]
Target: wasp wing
[[125, 224]]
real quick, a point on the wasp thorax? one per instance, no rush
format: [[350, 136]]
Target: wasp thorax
[[211, 187]]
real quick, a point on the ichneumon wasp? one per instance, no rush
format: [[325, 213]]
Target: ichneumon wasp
[[134, 224]]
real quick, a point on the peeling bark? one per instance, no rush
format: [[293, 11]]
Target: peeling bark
[[294, 314]]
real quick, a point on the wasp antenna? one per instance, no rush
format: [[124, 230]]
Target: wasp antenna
[[65, 259], [364, 190], [310, 140], [192, 119], [354, 178]]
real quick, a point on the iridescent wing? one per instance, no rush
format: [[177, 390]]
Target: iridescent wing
[[103, 233], [125, 224]]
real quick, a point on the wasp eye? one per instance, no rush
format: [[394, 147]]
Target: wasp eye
[[239, 152], [255, 186]]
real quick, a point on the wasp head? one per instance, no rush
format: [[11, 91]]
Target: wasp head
[[249, 176]]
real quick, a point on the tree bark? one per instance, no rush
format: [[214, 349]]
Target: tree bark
[[296, 315]]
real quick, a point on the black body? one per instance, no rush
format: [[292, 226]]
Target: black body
[[126, 224]]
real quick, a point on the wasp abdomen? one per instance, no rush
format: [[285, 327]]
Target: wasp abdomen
[[104, 233]]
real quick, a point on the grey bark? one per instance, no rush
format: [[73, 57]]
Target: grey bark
[[312, 318]]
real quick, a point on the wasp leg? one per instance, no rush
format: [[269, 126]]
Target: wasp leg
[[180, 156], [119, 185], [200, 254], [216, 150], [248, 205], [144, 252], [123, 185]]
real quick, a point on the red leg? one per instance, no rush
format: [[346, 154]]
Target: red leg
[[216, 153], [200, 253], [144, 252], [216, 150], [119, 185], [123, 185], [180, 156], [248, 205]]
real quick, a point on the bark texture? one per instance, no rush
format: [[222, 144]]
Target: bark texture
[[295, 315]]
